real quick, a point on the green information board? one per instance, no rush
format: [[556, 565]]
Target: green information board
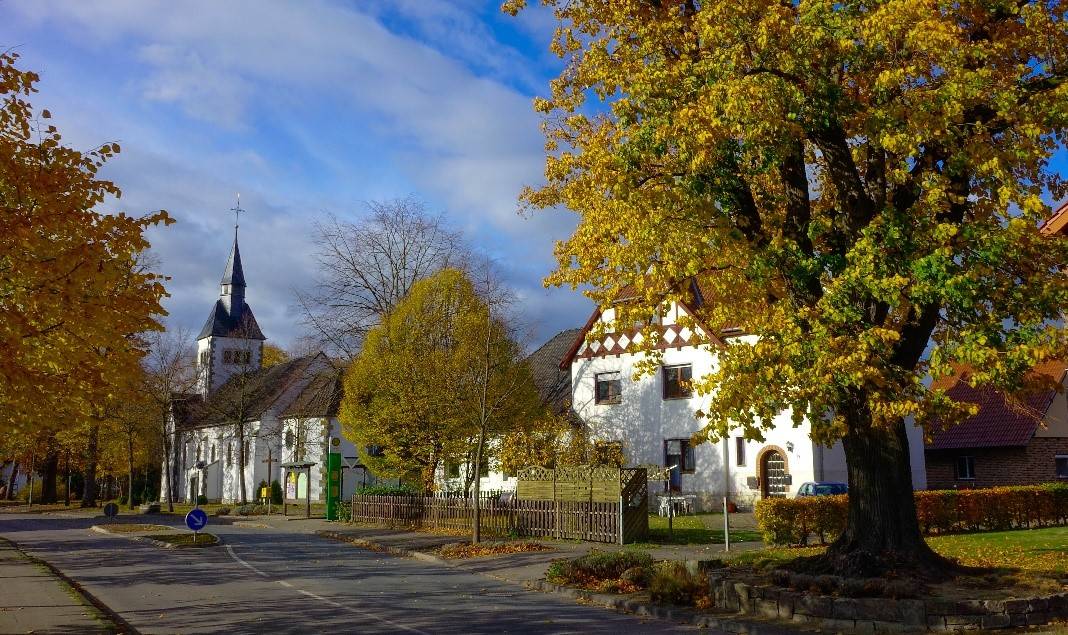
[[333, 478]]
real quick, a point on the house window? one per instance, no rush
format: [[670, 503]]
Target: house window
[[375, 450], [452, 470], [679, 452], [609, 388], [1061, 462], [966, 468], [739, 451], [677, 381]]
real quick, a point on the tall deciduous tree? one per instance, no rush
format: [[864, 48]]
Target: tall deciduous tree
[[71, 292], [365, 267], [852, 182], [436, 381]]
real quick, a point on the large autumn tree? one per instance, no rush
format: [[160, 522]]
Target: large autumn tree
[[73, 293], [441, 379], [855, 184]]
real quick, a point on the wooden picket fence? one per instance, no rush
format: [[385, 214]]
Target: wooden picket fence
[[624, 519]]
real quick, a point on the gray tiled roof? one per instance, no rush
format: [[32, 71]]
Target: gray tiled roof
[[554, 384], [249, 395], [223, 323]]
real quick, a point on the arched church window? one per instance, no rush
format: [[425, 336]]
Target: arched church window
[[212, 452], [247, 453], [229, 455], [289, 439]]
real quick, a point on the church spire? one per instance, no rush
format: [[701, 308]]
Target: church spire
[[233, 280]]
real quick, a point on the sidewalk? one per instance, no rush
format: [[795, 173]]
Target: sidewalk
[[36, 600]]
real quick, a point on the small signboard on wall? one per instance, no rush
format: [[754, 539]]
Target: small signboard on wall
[[753, 482]]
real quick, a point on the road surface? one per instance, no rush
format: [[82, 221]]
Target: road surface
[[284, 580]]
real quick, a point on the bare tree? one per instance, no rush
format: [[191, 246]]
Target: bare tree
[[366, 266], [170, 379]]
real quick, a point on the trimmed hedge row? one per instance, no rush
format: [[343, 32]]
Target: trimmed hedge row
[[791, 521]]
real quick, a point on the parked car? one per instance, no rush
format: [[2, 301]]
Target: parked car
[[822, 489]]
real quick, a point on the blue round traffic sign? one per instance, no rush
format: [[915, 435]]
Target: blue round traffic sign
[[196, 519]]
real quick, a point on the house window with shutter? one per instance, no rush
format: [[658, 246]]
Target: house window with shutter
[[680, 452], [677, 381], [1061, 465]]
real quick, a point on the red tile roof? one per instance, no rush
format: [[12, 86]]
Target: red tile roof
[[1002, 421]]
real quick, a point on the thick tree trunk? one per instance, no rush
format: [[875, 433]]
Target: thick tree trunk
[[89, 491], [882, 533], [11, 476], [49, 475]]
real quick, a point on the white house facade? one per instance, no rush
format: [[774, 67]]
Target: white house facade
[[653, 418]]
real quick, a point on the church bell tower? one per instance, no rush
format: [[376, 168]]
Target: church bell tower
[[231, 341]]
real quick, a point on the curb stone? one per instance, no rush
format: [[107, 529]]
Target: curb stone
[[159, 543], [615, 602]]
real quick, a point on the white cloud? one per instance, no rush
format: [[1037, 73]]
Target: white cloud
[[305, 108]]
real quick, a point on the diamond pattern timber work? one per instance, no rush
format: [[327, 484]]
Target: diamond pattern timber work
[[671, 336]]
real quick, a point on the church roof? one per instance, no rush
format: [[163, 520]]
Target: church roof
[[320, 398], [249, 395], [223, 323], [234, 273]]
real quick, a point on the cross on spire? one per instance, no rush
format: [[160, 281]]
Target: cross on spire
[[237, 213]]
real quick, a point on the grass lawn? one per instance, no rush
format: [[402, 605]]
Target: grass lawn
[[185, 539], [695, 529], [1039, 550], [1043, 552]]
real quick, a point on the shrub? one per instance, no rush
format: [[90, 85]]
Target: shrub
[[251, 509], [388, 490], [791, 521], [672, 583], [597, 566], [222, 511], [276, 493]]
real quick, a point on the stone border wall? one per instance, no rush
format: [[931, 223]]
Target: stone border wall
[[867, 615]]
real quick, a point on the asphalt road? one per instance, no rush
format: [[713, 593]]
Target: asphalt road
[[286, 581]]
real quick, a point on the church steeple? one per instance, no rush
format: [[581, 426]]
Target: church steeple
[[231, 340], [232, 286]]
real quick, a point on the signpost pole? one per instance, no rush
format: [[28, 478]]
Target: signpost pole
[[333, 477]]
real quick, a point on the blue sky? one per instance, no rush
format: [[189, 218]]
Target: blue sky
[[306, 108]]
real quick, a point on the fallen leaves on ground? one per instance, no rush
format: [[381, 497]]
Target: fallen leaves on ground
[[468, 550]]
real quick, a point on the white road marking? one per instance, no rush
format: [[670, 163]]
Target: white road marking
[[351, 609]]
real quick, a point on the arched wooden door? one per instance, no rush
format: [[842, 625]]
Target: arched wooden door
[[773, 470]]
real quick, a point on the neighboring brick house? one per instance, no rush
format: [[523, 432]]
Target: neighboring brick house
[[1010, 441]]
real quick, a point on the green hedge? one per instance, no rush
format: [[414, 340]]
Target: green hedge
[[791, 521]]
